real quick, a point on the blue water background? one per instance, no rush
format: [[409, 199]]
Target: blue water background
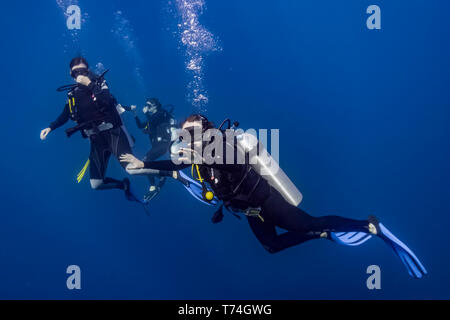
[[363, 117]]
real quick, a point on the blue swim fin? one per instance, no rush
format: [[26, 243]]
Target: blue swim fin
[[412, 263], [407, 257], [350, 238], [195, 188]]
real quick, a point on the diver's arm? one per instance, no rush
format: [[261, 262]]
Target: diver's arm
[[62, 119], [168, 165], [139, 123], [165, 165], [126, 108], [134, 163], [131, 108]]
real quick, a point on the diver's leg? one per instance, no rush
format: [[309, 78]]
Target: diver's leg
[[107, 184], [99, 160], [157, 151], [267, 235], [152, 188], [119, 144], [151, 179], [162, 181], [292, 218], [159, 148]]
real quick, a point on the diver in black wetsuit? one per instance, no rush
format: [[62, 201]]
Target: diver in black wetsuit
[[253, 185], [158, 125], [91, 105], [243, 190]]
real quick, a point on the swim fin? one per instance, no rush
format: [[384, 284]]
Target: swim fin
[[150, 195], [407, 257], [194, 188], [131, 197], [81, 174], [350, 238], [412, 263]]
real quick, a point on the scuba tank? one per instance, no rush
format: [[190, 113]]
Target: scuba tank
[[259, 159], [263, 163], [268, 168]]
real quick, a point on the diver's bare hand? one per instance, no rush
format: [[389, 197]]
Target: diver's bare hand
[[83, 80], [44, 133], [133, 108], [133, 162]]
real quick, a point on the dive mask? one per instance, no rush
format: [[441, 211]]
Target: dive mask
[[79, 72]]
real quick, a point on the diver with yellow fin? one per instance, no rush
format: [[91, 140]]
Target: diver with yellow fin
[[261, 191], [94, 109]]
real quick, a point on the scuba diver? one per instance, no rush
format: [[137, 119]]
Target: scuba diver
[[159, 125], [91, 105], [263, 193]]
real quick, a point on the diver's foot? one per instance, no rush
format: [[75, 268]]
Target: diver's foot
[[152, 192], [374, 225]]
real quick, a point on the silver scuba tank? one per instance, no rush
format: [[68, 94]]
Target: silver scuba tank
[[268, 168], [259, 159]]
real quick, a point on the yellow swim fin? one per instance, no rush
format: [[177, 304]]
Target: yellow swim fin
[[81, 174]]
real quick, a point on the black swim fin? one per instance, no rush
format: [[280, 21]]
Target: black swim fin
[[131, 197]]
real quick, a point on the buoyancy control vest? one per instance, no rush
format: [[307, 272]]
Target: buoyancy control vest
[[247, 185], [88, 112], [240, 188]]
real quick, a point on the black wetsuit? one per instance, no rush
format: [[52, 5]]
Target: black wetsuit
[[158, 128], [93, 108], [240, 187]]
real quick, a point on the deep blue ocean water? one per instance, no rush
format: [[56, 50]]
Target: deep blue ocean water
[[363, 118]]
